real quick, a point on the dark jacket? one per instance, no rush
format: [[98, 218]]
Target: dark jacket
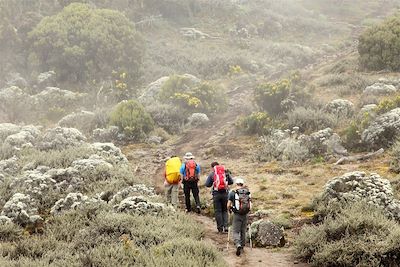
[[210, 180]]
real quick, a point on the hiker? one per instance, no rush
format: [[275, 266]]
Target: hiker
[[219, 179], [190, 173], [172, 180], [239, 202]]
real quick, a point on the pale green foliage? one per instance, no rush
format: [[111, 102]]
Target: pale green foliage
[[310, 119], [255, 123], [395, 159], [132, 119], [379, 46], [354, 235], [81, 42], [192, 95]]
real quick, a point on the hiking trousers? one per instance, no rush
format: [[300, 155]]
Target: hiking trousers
[[191, 186], [171, 194], [220, 199], [239, 229]]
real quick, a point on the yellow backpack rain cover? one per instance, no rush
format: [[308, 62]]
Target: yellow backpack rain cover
[[172, 170]]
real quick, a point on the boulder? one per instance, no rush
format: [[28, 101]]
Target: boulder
[[265, 233], [380, 88], [383, 131], [356, 186]]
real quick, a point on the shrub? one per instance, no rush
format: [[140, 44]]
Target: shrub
[[192, 95], [167, 116], [255, 123], [379, 46], [309, 119], [355, 235], [395, 158], [10, 232], [269, 96], [132, 119], [81, 43], [388, 104]]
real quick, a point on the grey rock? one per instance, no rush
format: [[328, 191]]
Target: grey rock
[[383, 131], [265, 233]]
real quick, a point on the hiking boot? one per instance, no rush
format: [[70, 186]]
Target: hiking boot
[[238, 250], [220, 230], [226, 230], [198, 209]]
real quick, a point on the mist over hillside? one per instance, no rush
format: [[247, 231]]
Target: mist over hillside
[[298, 97]]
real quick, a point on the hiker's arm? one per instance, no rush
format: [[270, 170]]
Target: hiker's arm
[[229, 178], [182, 171], [209, 180], [198, 169]]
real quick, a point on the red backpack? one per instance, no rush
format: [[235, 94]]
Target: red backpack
[[190, 171], [220, 181]]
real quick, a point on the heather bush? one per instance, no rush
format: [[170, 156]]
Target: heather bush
[[355, 234], [395, 157], [10, 232], [269, 96], [191, 95], [255, 123], [168, 117], [103, 40], [379, 46], [310, 119], [132, 119]]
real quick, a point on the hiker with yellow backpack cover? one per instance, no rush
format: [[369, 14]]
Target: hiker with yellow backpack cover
[[172, 180]]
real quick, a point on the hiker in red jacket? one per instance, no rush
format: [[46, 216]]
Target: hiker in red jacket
[[190, 173], [219, 179]]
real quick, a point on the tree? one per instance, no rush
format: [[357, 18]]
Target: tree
[[82, 43], [379, 46]]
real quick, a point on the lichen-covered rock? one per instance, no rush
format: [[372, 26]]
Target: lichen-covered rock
[[110, 152], [380, 89], [83, 121], [140, 206], [134, 190], [340, 107], [198, 119], [60, 138], [20, 209], [356, 186], [106, 135], [383, 131], [71, 201], [151, 92], [265, 233], [46, 79]]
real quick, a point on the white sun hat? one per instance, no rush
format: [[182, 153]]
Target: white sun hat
[[188, 155], [239, 180]]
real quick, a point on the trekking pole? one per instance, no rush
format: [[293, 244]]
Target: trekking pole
[[251, 242]]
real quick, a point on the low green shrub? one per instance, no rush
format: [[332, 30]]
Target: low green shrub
[[269, 96], [387, 104], [310, 119], [395, 158], [255, 123], [10, 232], [132, 119], [192, 95], [355, 234]]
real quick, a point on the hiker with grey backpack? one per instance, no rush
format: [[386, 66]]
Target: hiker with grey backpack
[[239, 202]]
